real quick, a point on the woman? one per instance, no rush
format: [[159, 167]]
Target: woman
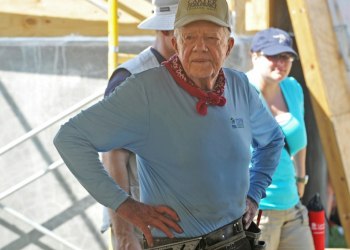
[[284, 222]]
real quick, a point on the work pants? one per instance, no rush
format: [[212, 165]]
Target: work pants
[[286, 229]]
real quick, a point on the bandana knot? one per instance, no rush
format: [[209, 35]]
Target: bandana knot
[[212, 98]]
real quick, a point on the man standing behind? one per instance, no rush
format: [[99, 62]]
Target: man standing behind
[[121, 163]]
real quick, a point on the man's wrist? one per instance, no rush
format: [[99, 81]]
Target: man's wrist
[[303, 180], [250, 198]]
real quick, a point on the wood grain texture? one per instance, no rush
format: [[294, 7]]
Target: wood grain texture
[[240, 16], [257, 16], [23, 18], [324, 75]]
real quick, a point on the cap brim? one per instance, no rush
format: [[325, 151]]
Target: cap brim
[[158, 22], [278, 49], [192, 18]]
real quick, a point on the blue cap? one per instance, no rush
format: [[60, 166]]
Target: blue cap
[[273, 41]]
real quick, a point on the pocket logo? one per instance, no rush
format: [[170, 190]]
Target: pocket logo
[[237, 122]]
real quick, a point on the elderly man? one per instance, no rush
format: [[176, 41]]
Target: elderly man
[[191, 124]]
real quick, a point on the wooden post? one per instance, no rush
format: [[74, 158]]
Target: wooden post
[[326, 78], [240, 16], [252, 16]]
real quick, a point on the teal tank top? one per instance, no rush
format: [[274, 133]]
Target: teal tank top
[[282, 194]]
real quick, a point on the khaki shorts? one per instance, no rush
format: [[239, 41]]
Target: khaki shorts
[[286, 229]]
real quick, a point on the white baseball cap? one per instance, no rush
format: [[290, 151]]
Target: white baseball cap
[[163, 16]]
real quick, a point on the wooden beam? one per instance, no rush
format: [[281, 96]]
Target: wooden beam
[[257, 16], [252, 16], [325, 76], [65, 17], [231, 4], [240, 17]]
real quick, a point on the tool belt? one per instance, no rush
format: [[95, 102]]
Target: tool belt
[[253, 234], [230, 236]]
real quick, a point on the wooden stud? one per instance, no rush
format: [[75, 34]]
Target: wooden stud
[[257, 16], [326, 81], [252, 16], [240, 17]]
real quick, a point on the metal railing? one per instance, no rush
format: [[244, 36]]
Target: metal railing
[[38, 227], [30, 179], [41, 173], [47, 124]]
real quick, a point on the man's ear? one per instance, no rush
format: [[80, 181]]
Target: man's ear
[[174, 43], [230, 44]]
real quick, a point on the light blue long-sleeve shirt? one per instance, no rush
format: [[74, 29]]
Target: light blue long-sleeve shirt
[[197, 165]]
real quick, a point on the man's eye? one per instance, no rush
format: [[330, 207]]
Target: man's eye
[[189, 37]]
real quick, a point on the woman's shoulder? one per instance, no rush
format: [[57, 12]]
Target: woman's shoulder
[[292, 87], [291, 83]]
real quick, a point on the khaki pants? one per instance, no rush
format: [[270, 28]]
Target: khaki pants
[[286, 229]]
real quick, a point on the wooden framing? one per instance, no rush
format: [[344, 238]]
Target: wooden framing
[[252, 16], [47, 18], [326, 78]]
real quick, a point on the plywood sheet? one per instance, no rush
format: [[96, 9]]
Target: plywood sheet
[[331, 64], [251, 16], [257, 15]]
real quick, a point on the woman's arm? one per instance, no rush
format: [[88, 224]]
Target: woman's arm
[[299, 163]]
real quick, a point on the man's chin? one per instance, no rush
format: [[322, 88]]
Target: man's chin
[[201, 73]]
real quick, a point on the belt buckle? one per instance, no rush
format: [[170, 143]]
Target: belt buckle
[[183, 245]]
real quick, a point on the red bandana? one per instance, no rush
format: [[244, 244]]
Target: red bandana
[[213, 98]]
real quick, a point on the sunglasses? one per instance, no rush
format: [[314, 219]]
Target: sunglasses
[[276, 58]]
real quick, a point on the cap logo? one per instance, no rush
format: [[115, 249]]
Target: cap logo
[[201, 4], [281, 37], [163, 9]]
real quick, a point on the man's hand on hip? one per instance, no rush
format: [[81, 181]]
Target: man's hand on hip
[[249, 213], [143, 215]]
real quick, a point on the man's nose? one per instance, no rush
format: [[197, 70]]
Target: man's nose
[[200, 45]]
